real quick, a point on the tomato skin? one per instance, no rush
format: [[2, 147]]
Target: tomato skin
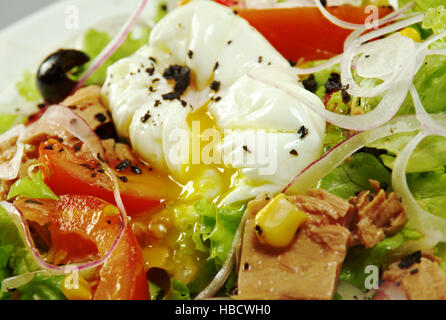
[[68, 173], [303, 32], [124, 269], [86, 220]]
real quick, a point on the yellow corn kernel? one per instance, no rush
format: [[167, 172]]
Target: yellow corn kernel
[[411, 33], [110, 210], [277, 223], [75, 287]]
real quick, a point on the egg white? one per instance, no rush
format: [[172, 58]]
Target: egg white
[[257, 123]]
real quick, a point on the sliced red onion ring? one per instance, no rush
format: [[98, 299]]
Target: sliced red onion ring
[[317, 170], [389, 18], [21, 223], [386, 109], [335, 20], [62, 118], [320, 67], [10, 169], [433, 227], [112, 46], [225, 271]]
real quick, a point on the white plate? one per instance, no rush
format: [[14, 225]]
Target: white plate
[[26, 43]]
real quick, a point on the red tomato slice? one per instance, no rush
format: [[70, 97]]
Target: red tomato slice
[[84, 227], [304, 32], [68, 172]]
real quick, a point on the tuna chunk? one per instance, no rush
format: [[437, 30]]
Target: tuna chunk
[[307, 269], [378, 216], [87, 103], [420, 277]]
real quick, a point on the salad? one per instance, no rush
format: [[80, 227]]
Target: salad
[[232, 149]]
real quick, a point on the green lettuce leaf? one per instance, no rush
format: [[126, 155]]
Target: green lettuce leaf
[[353, 175], [428, 156], [15, 259], [359, 257], [429, 189], [32, 187], [7, 121], [178, 290], [27, 87], [43, 288], [94, 41]]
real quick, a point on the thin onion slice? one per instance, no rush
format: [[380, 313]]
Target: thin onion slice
[[335, 20], [317, 170], [63, 119], [225, 271], [327, 64], [386, 109], [433, 227], [10, 169], [112, 46], [425, 119]]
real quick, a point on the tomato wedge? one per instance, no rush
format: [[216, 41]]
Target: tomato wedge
[[84, 227], [71, 172], [303, 32]]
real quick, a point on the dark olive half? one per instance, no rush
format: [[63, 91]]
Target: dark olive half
[[52, 79]]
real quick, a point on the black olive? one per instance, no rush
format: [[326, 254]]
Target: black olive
[[52, 79]]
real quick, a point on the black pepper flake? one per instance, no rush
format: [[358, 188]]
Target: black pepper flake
[[345, 95], [333, 83], [151, 89], [370, 197], [216, 66], [409, 260], [72, 107], [292, 63], [230, 41], [101, 170], [246, 149], [153, 59], [215, 85], [157, 103], [87, 166], [136, 170], [357, 193], [108, 221], [61, 150], [169, 96], [100, 117], [259, 230], [217, 99], [324, 3], [124, 179], [155, 80], [93, 175], [190, 54], [146, 117], [183, 103], [150, 71], [310, 83], [123, 165], [235, 12], [60, 139], [77, 148], [33, 201], [414, 271], [49, 147], [302, 132], [260, 60], [246, 266], [181, 76], [73, 121], [294, 152]]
